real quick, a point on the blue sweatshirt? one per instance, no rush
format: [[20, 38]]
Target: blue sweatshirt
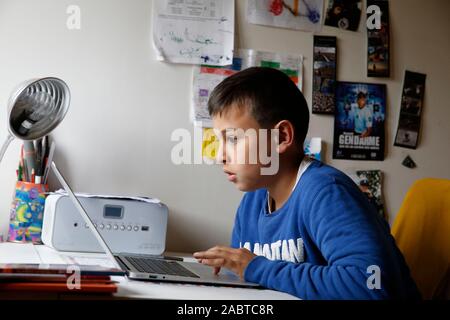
[[326, 242]]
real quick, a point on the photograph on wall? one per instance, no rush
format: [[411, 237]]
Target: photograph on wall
[[305, 15], [313, 148], [378, 56], [324, 75], [344, 14], [370, 183], [411, 110], [359, 121]]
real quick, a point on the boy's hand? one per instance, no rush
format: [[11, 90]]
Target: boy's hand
[[235, 260]]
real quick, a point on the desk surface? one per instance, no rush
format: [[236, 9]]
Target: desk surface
[[27, 253]]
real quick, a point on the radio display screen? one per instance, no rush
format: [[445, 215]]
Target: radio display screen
[[113, 212]]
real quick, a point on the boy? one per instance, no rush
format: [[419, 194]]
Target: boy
[[307, 229]]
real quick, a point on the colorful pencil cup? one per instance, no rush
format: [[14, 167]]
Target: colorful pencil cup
[[27, 212]]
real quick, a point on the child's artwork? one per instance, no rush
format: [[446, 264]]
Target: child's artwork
[[370, 183], [194, 32], [359, 121], [411, 110], [378, 39], [324, 74], [313, 148], [344, 14], [305, 15], [206, 77]]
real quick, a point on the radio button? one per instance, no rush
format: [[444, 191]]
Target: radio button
[[116, 227], [108, 227], [129, 228], [122, 228]]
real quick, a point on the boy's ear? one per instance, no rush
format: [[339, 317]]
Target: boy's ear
[[286, 135]]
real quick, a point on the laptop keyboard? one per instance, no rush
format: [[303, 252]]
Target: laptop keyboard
[[172, 268]]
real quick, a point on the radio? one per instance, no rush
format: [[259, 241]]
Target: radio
[[128, 225]]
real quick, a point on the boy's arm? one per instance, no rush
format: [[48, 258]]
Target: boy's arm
[[349, 238]]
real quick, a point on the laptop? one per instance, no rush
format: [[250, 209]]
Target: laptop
[[151, 268]]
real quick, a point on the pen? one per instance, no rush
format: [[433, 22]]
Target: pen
[[43, 154], [25, 172], [38, 148], [30, 156], [49, 162]]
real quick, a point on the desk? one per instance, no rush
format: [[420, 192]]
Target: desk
[[130, 289]]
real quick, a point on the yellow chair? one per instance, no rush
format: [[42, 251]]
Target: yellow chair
[[422, 232]]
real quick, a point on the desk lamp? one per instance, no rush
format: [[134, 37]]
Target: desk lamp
[[35, 109]]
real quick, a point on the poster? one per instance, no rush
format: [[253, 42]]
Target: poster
[[313, 148], [378, 56], [206, 77], [344, 14], [305, 15], [411, 110], [194, 32], [370, 183], [359, 121], [324, 75]]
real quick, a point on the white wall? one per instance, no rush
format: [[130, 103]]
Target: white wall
[[116, 137]]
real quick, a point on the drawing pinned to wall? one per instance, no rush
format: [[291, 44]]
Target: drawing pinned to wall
[[206, 77], [194, 32], [324, 75], [411, 110], [313, 148], [344, 14], [305, 15], [359, 121], [370, 183], [378, 41]]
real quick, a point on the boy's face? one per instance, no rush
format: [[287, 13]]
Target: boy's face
[[361, 102], [232, 128]]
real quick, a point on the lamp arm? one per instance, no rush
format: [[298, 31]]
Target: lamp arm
[[84, 215], [5, 146]]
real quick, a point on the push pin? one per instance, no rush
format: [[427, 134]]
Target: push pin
[[409, 163]]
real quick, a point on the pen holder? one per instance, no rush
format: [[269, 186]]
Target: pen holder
[[27, 212]]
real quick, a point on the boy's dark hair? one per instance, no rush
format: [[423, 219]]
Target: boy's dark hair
[[270, 95]]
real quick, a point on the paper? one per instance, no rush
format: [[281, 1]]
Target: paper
[[18, 253], [359, 121], [194, 32], [206, 78], [87, 195], [87, 259], [305, 15], [49, 255]]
